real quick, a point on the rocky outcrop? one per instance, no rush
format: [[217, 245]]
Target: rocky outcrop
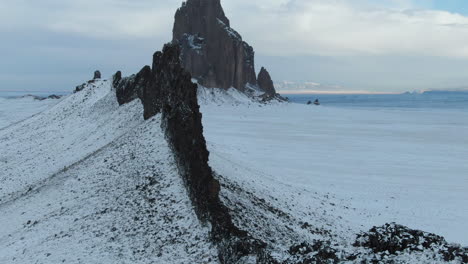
[[392, 239], [168, 89], [79, 88], [212, 51], [97, 75], [265, 83], [130, 88]]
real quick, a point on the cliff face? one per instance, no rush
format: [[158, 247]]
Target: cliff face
[[212, 51]]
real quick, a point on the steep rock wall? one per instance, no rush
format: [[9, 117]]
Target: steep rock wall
[[212, 51]]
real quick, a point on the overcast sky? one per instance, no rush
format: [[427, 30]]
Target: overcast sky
[[349, 45]]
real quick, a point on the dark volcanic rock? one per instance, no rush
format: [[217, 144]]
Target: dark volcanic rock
[[97, 75], [168, 89], [212, 51], [130, 88], [265, 83], [54, 96], [319, 252], [396, 238]]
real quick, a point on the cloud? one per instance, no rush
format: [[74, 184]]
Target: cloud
[[274, 27], [357, 44], [342, 28]]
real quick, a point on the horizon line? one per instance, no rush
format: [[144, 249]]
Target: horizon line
[[333, 92]]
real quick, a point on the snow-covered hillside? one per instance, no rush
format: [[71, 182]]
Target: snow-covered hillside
[[87, 181], [341, 171]]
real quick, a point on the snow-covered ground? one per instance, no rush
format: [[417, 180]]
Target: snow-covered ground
[[13, 110], [346, 170], [87, 181]]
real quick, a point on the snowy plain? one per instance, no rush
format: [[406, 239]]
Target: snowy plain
[[13, 110], [352, 168]]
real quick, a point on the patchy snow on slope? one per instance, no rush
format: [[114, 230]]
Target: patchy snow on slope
[[13, 110], [318, 173], [221, 97], [88, 181]]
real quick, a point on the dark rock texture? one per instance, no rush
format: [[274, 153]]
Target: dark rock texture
[[393, 238], [265, 83], [97, 75], [41, 98], [130, 88], [319, 252], [168, 89], [212, 51], [183, 125]]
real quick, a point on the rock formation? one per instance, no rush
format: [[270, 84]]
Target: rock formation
[[130, 88], [265, 83], [391, 239], [212, 51], [97, 75], [168, 89]]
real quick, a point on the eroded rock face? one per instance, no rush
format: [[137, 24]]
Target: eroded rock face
[[168, 89], [130, 88], [212, 51], [265, 83]]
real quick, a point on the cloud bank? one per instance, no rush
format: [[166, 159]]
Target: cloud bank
[[357, 29]]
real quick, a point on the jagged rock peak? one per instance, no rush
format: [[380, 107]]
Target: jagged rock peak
[[265, 83], [212, 51], [201, 14], [130, 88], [97, 75]]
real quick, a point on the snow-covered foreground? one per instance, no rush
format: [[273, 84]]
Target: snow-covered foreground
[[13, 110], [346, 170], [87, 181]]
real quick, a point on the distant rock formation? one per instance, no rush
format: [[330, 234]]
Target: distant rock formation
[[42, 98], [212, 51], [97, 75], [265, 83]]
